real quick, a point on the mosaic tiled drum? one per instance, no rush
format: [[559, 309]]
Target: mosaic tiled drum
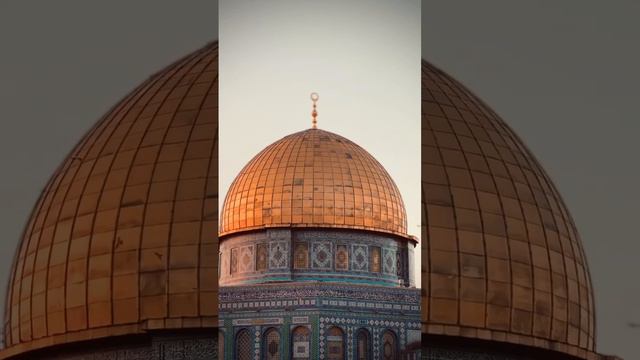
[[315, 259], [501, 257], [122, 242]]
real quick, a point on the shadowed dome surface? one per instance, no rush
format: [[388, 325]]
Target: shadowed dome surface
[[502, 259], [314, 178], [123, 237]]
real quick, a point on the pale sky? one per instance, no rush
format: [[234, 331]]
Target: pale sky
[[361, 56]]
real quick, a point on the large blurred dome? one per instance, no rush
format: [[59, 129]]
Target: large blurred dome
[[502, 259], [123, 238], [314, 178]]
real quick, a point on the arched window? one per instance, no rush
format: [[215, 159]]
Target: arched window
[[262, 257], [363, 346], [244, 350], [300, 348], [221, 344], [271, 348], [375, 259], [342, 257], [301, 256], [335, 343], [389, 346], [234, 261]]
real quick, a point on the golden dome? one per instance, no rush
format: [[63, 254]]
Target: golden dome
[[502, 259], [314, 178], [123, 238]]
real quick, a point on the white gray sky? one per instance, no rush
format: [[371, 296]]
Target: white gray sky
[[361, 56], [564, 75]]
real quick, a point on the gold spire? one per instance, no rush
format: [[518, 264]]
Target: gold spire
[[314, 113]]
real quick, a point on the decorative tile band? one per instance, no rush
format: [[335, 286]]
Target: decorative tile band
[[315, 255]]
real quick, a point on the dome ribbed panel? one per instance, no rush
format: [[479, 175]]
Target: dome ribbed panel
[[502, 258], [123, 237], [314, 178]]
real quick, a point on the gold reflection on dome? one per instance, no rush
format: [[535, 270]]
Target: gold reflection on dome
[[122, 239], [314, 178], [502, 258]]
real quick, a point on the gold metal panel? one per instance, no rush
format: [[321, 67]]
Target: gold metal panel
[[313, 178], [117, 236], [502, 259]]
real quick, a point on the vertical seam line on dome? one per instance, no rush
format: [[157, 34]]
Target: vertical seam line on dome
[[236, 190], [508, 240], [307, 174], [447, 82], [481, 106], [168, 76], [331, 158], [28, 231], [47, 193], [233, 198], [394, 192], [362, 173], [591, 333], [270, 181], [125, 109], [390, 189], [186, 65], [293, 165], [285, 168], [248, 184], [212, 155], [538, 212], [455, 220], [254, 183], [315, 139], [511, 260], [382, 185], [290, 145], [426, 243], [300, 166], [565, 224], [102, 127], [158, 83], [202, 59], [480, 208], [264, 167]]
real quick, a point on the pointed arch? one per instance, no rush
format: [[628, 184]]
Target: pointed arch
[[389, 343], [243, 348], [335, 344], [272, 345], [363, 344], [301, 343]]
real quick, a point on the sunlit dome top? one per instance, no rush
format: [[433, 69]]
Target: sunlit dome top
[[314, 178]]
